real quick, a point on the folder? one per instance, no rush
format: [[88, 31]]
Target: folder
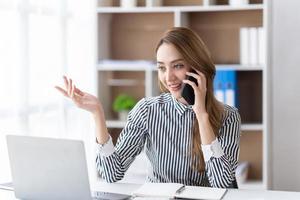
[[261, 46], [219, 86], [253, 46], [225, 86], [244, 46], [230, 87]]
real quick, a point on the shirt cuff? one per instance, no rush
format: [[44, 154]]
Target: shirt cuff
[[212, 150], [106, 149]]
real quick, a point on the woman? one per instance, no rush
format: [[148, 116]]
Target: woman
[[190, 144]]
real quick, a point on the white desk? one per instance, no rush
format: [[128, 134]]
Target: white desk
[[232, 194]]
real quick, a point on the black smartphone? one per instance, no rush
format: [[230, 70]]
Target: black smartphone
[[188, 92]]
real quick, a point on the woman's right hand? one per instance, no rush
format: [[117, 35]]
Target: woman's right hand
[[82, 99], [87, 102]]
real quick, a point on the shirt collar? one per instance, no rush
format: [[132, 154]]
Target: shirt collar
[[180, 107]]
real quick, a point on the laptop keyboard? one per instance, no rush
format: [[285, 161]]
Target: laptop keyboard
[[97, 195]]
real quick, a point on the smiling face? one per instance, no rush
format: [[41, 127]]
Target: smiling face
[[172, 69]]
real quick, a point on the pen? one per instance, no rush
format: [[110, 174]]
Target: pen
[[180, 189]]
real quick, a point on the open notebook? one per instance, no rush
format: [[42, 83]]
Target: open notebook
[[177, 190]]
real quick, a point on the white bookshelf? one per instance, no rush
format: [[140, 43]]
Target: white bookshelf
[[126, 62], [210, 8], [245, 127], [252, 127], [144, 65]]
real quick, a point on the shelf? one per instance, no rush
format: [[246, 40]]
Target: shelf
[[162, 9], [252, 127], [239, 67], [129, 65], [124, 82], [121, 124], [217, 28], [249, 96], [126, 65], [131, 36], [115, 124], [251, 151]]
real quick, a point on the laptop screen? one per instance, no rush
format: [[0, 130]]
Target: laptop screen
[[47, 168]]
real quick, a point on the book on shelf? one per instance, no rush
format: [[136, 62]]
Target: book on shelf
[[225, 86], [261, 45], [218, 86], [238, 2], [177, 190], [252, 46], [244, 46]]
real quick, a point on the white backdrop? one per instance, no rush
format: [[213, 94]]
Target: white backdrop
[[40, 40]]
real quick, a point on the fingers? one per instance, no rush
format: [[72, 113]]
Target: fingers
[[66, 82], [201, 79], [64, 92], [69, 87], [192, 84], [71, 90], [77, 91]]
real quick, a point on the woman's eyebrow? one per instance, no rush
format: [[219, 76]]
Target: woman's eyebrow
[[179, 59], [176, 60]]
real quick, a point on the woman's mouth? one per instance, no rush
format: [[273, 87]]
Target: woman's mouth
[[174, 87]]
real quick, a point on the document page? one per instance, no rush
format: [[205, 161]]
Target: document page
[[6, 186], [195, 192], [158, 190]]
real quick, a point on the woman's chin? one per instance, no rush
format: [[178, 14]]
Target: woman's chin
[[176, 95]]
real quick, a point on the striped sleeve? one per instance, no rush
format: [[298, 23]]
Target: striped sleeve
[[130, 143], [221, 171]]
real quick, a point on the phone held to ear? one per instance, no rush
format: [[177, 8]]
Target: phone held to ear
[[188, 92]]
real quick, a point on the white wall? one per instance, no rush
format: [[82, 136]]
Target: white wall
[[285, 67]]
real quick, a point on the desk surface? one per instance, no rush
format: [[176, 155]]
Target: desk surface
[[232, 194]]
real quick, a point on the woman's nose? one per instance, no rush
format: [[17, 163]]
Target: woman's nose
[[169, 75]]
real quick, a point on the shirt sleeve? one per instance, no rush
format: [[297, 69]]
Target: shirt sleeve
[[221, 169], [212, 150], [106, 149], [112, 163]]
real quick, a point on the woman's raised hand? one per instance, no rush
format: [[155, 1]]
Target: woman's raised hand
[[81, 99], [87, 102]]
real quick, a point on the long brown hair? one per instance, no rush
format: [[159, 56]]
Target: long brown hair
[[196, 54]]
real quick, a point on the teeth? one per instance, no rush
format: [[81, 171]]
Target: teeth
[[174, 86]]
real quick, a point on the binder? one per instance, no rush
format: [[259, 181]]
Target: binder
[[218, 86], [225, 86], [244, 46], [253, 46], [261, 46], [230, 88]]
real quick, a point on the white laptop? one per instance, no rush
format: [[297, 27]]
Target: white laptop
[[46, 168]]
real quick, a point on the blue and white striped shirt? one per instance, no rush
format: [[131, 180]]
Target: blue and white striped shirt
[[163, 126]]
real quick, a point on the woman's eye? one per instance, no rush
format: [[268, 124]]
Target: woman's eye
[[161, 68], [178, 66]]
